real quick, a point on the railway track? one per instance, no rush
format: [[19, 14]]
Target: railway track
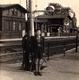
[[11, 50]]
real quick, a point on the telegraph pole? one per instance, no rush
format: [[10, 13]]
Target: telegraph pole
[[29, 5]]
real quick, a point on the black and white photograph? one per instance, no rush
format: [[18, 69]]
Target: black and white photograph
[[39, 40]]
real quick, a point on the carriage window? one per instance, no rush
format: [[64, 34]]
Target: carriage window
[[14, 25]]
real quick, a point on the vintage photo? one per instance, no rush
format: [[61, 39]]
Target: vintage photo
[[39, 40]]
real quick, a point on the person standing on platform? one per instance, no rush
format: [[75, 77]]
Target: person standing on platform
[[38, 52], [60, 31], [26, 52], [33, 52]]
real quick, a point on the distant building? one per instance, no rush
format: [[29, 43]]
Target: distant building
[[12, 21], [56, 16]]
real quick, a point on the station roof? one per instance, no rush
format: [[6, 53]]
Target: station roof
[[51, 17], [8, 6]]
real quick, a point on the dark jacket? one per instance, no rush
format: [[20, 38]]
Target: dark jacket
[[39, 47], [33, 44], [26, 43]]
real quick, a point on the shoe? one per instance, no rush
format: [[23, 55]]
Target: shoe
[[39, 74], [35, 73]]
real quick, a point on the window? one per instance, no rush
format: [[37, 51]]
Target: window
[[14, 11], [20, 26], [23, 33], [6, 26], [8, 12], [14, 26]]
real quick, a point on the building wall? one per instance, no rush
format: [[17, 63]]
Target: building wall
[[0, 19], [13, 12], [13, 23]]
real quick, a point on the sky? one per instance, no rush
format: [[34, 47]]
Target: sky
[[42, 4]]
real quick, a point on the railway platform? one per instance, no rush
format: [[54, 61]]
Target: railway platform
[[59, 67]]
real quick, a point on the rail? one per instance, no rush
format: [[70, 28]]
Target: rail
[[10, 44]]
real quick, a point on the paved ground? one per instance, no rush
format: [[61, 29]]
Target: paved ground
[[58, 68]]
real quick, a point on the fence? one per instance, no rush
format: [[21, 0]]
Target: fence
[[57, 45]]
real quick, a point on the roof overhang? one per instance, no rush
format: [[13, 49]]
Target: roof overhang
[[51, 17], [8, 6]]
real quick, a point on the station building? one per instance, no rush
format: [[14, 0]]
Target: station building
[[12, 21], [56, 17]]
